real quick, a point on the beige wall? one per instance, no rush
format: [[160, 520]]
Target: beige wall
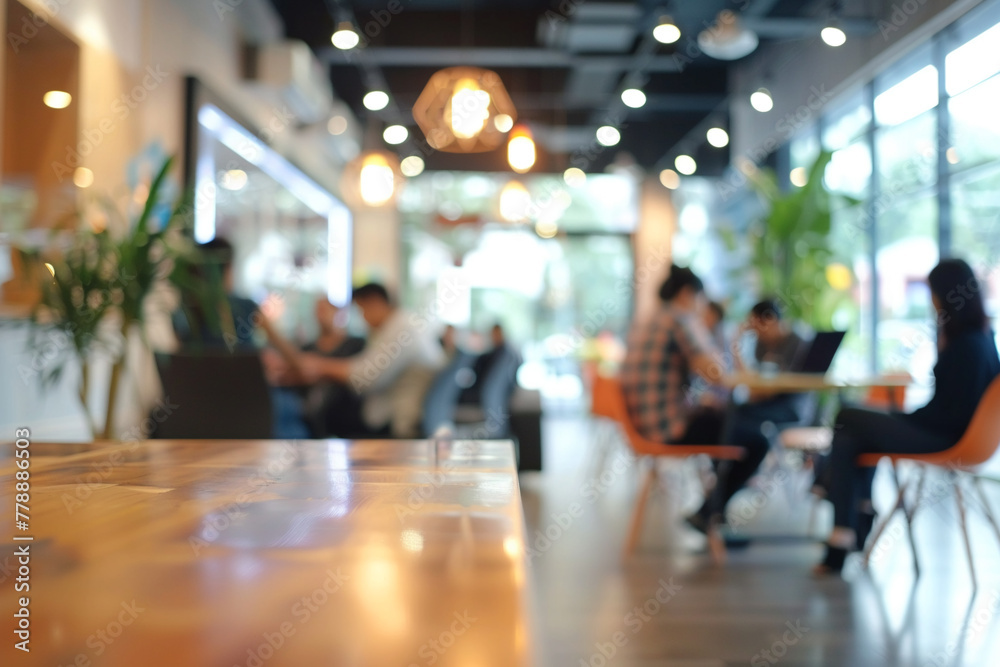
[[653, 252]]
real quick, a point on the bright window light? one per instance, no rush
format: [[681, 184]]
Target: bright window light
[[974, 61], [909, 98]]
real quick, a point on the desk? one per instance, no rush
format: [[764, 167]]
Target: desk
[[271, 553], [803, 382]]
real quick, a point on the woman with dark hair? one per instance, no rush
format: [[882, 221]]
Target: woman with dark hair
[[967, 363], [665, 353]]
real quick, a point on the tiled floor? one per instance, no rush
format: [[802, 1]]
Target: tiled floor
[[669, 606]]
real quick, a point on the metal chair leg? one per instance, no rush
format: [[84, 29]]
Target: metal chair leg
[[987, 509], [873, 540], [635, 526], [965, 530], [909, 512]]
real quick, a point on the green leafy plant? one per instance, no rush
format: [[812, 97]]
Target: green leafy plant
[[95, 287], [790, 249]]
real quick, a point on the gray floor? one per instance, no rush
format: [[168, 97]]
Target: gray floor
[[763, 607]]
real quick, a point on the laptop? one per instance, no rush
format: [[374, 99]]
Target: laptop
[[820, 354]]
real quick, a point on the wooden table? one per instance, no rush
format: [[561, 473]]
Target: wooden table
[[268, 553], [801, 382]]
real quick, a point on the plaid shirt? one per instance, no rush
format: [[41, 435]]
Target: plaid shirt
[[656, 374]]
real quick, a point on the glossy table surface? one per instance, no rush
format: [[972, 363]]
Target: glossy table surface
[[264, 553]]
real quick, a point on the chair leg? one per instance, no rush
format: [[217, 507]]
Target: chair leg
[[873, 540], [635, 526], [909, 513], [959, 500], [987, 509]]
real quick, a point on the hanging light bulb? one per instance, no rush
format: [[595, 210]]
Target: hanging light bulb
[[469, 109], [666, 31], [521, 149], [377, 180]]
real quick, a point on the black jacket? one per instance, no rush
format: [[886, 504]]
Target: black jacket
[[963, 371]]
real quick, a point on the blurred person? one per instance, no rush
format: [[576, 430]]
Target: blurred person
[[664, 354], [778, 347], [967, 364], [500, 350], [713, 316], [393, 372]]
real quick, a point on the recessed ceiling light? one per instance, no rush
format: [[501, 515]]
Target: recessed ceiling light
[[761, 100], [666, 32], [608, 136], [833, 35], [57, 99], [685, 164], [345, 37], [633, 97], [395, 134], [717, 137], [376, 100]]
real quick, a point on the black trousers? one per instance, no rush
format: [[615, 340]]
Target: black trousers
[[707, 427], [859, 431]]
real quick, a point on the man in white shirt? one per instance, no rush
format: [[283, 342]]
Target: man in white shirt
[[393, 372]]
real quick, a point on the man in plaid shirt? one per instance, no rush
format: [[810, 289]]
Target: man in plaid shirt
[[664, 353]]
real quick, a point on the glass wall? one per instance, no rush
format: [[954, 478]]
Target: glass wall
[[920, 146]]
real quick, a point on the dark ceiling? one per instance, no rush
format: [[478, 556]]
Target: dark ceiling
[[564, 63]]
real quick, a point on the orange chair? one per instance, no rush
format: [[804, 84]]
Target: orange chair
[[608, 401], [978, 445]]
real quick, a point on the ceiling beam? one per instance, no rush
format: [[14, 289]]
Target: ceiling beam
[[434, 56]]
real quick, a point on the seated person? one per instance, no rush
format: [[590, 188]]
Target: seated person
[[327, 408], [967, 364], [393, 372], [780, 347], [499, 351], [664, 354], [230, 325]]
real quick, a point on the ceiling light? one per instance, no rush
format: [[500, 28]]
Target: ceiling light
[[608, 136], [515, 201], [503, 122], [57, 99], [670, 179], [761, 100], [395, 134], [376, 100], [666, 32], [336, 125], [574, 177], [798, 177], [468, 110], [377, 180], [234, 179], [833, 35], [412, 166], [727, 39], [521, 150], [685, 164], [345, 37], [633, 97], [83, 177], [717, 137], [464, 110]]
